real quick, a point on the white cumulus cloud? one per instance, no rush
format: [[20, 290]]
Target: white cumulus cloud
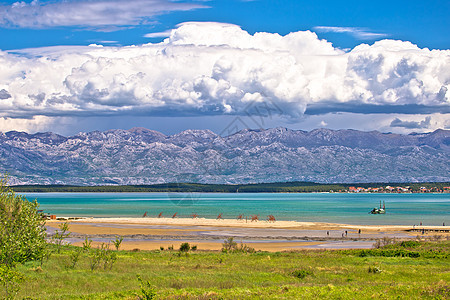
[[214, 68]]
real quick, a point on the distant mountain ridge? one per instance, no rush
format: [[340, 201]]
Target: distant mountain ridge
[[143, 156]]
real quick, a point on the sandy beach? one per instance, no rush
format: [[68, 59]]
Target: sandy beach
[[209, 234], [249, 223]]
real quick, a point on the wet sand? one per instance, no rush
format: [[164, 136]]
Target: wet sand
[[209, 234]]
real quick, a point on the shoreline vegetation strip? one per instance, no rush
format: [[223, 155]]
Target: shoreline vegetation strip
[[278, 187]]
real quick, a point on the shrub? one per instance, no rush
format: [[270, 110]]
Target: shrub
[[87, 244], [75, 257], [185, 247], [22, 236], [244, 248], [409, 244], [117, 242], [10, 279], [302, 273], [60, 235], [374, 270], [396, 253], [147, 291], [22, 231], [229, 245], [379, 243], [103, 255]]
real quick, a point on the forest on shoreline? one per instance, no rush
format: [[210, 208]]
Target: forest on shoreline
[[278, 187]]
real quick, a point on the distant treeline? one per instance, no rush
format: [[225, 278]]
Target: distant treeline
[[278, 187]]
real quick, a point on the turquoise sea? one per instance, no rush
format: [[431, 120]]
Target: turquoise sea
[[402, 209]]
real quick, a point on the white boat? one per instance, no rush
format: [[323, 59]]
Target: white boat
[[378, 211]]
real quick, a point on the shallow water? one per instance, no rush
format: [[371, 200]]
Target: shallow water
[[402, 209]]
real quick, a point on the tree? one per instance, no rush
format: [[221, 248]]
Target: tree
[[22, 236], [22, 230]]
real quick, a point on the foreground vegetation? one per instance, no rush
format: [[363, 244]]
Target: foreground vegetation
[[349, 274], [277, 187], [33, 268], [22, 237]]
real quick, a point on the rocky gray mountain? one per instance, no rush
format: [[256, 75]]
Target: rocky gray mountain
[[143, 156]]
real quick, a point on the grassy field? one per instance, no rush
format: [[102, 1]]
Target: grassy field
[[404, 271]]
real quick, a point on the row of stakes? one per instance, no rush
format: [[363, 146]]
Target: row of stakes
[[270, 218]]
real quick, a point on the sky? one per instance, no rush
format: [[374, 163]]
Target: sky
[[71, 66]]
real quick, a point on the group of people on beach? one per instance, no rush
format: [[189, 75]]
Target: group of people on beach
[[345, 233]]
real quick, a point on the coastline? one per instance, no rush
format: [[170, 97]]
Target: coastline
[[268, 187], [208, 234]]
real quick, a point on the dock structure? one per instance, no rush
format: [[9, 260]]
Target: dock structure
[[428, 229]]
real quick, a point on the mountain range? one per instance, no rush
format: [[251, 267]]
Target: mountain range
[[142, 156]]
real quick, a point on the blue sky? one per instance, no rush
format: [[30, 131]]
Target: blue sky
[[424, 23], [387, 86]]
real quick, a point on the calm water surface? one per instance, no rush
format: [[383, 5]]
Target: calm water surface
[[402, 209]]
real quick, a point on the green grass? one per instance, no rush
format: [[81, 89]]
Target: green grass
[[260, 275]]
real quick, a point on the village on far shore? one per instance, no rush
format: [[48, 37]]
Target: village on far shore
[[396, 189]]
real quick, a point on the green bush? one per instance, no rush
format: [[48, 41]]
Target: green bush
[[60, 235], [103, 255], [374, 270], [301, 273], [185, 247], [22, 231], [395, 253], [10, 279], [410, 244], [229, 245], [75, 257], [22, 237], [117, 242], [148, 292], [87, 244]]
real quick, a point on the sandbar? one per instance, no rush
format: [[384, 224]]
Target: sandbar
[[208, 234]]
